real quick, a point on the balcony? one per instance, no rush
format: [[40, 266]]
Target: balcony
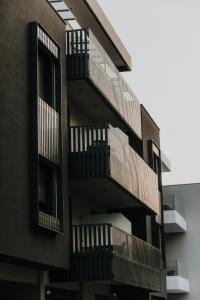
[[104, 167], [102, 252], [177, 280], [174, 217], [96, 85]]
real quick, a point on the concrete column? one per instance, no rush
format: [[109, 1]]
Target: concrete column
[[41, 285]]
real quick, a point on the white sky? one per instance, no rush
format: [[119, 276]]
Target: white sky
[[163, 38]]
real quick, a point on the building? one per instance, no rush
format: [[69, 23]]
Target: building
[[81, 189], [181, 215]]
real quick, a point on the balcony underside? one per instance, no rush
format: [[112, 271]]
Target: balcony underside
[[95, 106], [174, 222], [107, 192]]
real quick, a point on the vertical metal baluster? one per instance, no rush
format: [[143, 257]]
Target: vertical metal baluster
[[88, 151]]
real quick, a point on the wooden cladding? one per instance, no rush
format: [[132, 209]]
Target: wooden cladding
[[104, 252], [48, 132], [132, 172], [87, 59], [103, 151]]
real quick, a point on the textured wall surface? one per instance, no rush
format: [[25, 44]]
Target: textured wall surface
[[185, 246], [18, 238], [132, 172]]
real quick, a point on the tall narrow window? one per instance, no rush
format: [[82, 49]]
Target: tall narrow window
[[48, 189], [46, 104], [47, 79], [154, 161], [154, 156]]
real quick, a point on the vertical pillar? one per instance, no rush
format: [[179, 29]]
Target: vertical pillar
[[41, 285]]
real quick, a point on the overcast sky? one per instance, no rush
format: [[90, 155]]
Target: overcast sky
[[163, 38]]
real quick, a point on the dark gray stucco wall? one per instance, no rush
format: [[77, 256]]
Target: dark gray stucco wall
[[17, 238]]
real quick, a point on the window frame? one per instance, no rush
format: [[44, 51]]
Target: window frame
[[41, 42], [52, 81], [52, 187]]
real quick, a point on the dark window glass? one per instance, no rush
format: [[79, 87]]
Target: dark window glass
[[155, 163], [47, 189], [47, 68]]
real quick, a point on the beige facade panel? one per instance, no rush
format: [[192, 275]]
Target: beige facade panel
[[132, 172]]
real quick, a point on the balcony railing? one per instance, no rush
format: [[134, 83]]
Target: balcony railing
[[48, 132], [177, 278], [49, 222], [174, 215], [176, 268], [171, 202], [98, 151], [104, 252], [88, 59]]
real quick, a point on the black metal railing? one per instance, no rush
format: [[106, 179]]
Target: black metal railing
[[89, 151], [104, 252], [77, 54]]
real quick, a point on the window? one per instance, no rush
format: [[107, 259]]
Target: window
[[45, 80], [47, 189], [154, 161], [154, 156]]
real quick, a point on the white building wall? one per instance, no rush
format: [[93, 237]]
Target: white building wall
[[186, 246]]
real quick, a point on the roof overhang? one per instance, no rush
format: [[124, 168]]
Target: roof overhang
[[89, 14]]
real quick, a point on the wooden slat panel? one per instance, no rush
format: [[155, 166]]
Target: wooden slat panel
[[132, 172]]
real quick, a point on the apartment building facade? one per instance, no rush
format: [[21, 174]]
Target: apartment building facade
[[81, 187], [181, 222]]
